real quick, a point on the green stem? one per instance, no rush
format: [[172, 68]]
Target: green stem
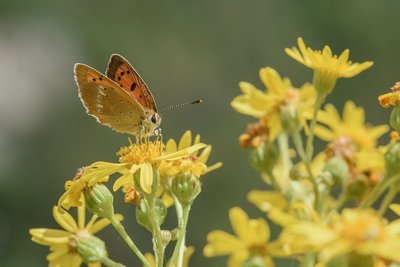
[[388, 199], [158, 243], [121, 230], [274, 182], [378, 191], [177, 255], [310, 137], [283, 146], [110, 263], [298, 143]]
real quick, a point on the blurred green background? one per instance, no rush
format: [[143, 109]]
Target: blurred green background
[[184, 50]]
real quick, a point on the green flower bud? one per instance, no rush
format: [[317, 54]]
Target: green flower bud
[[185, 187], [144, 215], [357, 187], [395, 118], [165, 237], [99, 201], [392, 160], [323, 82], [91, 249], [289, 118], [264, 157], [338, 168]]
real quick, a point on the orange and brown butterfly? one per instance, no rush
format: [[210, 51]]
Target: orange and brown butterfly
[[120, 99]]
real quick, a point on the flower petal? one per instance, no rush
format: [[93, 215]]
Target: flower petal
[[221, 243], [146, 177], [185, 141], [65, 220]]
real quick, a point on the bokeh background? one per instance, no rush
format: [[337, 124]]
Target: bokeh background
[[184, 50]]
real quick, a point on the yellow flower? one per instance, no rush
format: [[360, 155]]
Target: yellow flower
[[134, 159], [352, 125], [327, 67], [193, 163], [354, 231], [251, 240], [279, 94], [390, 99], [63, 243]]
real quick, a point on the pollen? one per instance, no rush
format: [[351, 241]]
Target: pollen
[[139, 153]]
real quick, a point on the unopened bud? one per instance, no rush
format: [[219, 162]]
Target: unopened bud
[[144, 215], [91, 249], [395, 118], [392, 160], [185, 187], [338, 168], [99, 201], [264, 157], [289, 118]]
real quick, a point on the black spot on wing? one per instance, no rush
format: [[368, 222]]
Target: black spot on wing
[[133, 86]]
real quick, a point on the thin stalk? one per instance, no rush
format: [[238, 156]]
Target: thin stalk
[[110, 263], [283, 146], [298, 143], [378, 191], [388, 199], [310, 137], [177, 255], [121, 230], [158, 244]]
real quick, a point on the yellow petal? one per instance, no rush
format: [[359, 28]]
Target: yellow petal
[[181, 153], [221, 243], [237, 259], [185, 141], [102, 223], [205, 154], [46, 236], [65, 220], [171, 146], [146, 177]]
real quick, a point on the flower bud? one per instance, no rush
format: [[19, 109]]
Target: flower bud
[[91, 249], [395, 118], [392, 160], [185, 187], [338, 168], [264, 157], [289, 118], [165, 237], [144, 215], [357, 187], [324, 82], [99, 201]]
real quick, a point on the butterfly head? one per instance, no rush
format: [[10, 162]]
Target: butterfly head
[[152, 123]]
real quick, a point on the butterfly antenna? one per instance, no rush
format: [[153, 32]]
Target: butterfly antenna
[[182, 105]]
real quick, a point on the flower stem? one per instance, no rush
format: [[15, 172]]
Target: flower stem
[[177, 256], [121, 230], [158, 244], [378, 190], [298, 143], [110, 263], [310, 137], [388, 198], [284, 152]]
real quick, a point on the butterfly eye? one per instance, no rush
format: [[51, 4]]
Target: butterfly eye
[[153, 118]]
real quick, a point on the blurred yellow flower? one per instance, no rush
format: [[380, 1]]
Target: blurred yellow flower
[[390, 99], [327, 67], [279, 93], [63, 243], [352, 125], [251, 240], [354, 231]]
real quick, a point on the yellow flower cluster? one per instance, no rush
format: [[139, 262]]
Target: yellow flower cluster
[[312, 194]]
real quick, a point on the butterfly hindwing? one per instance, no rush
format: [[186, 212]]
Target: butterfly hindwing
[[121, 72], [106, 101]]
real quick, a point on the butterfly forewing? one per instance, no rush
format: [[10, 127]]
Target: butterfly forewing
[[121, 72], [107, 102]]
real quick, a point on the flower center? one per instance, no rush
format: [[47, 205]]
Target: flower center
[[139, 153]]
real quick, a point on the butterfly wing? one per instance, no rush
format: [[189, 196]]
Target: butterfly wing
[[107, 102], [121, 72]]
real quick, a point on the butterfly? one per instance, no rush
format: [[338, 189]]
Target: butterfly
[[120, 99]]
